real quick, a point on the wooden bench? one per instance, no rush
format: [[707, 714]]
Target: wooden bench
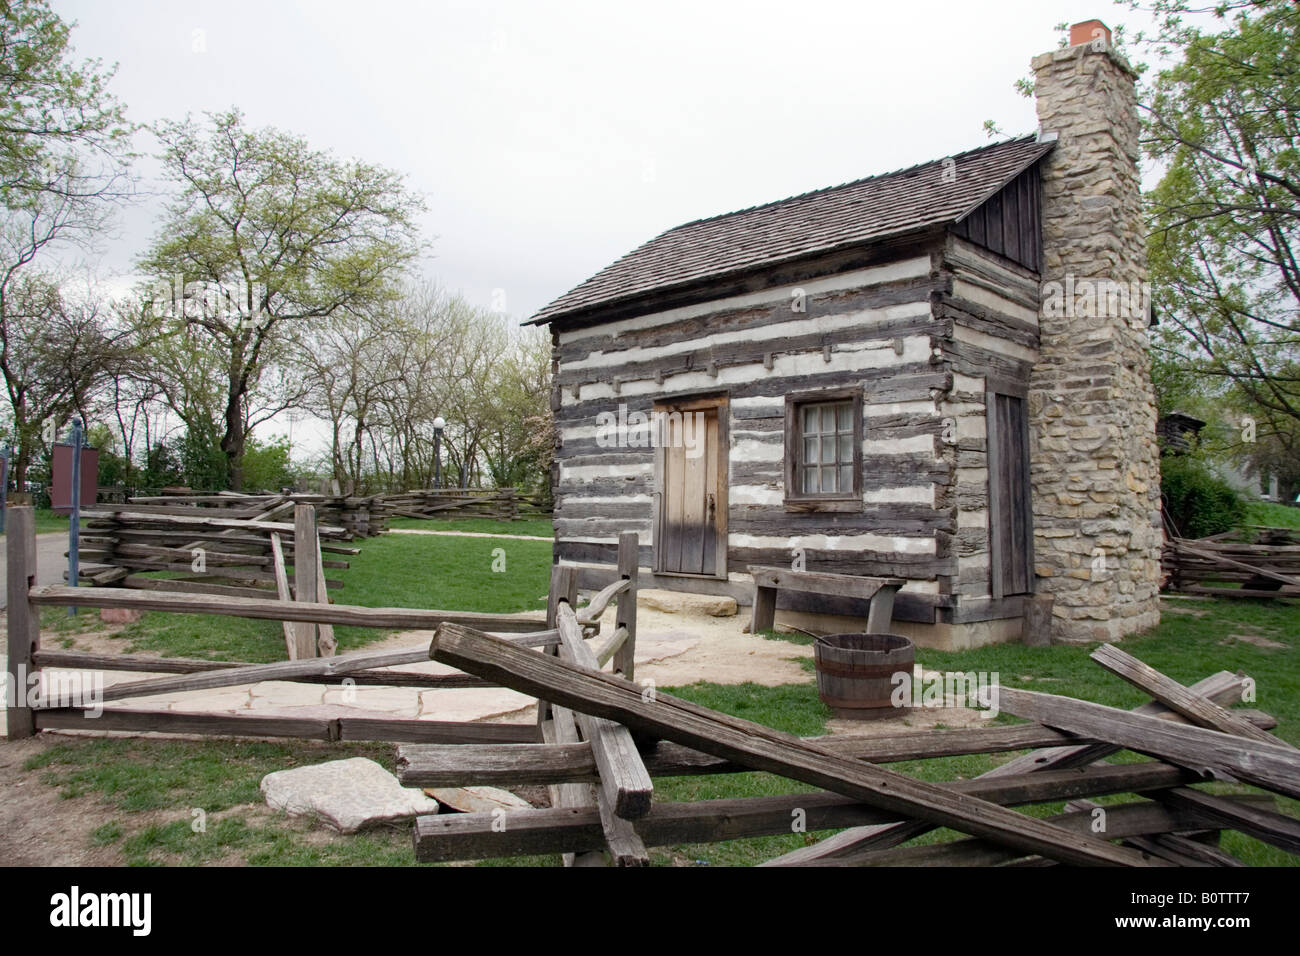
[[878, 591]]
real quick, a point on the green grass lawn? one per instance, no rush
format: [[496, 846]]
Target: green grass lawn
[[46, 521], [1272, 515], [538, 527], [462, 574]]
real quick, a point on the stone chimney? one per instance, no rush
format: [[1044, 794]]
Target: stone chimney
[[1094, 461]]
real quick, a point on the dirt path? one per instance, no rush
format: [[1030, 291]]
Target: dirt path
[[40, 827]]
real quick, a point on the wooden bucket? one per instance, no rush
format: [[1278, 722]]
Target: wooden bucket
[[855, 673]]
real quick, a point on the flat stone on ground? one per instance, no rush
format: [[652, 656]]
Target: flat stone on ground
[[477, 799], [676, 602], [349, 795]]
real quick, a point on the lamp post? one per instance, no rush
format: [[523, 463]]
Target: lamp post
[[439, 424]]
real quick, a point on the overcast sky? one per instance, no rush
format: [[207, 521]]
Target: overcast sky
[[551, 138]]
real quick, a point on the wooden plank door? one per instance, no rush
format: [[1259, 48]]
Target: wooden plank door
[[1011, 520], [691, 527]]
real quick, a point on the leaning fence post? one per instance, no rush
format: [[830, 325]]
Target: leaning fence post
[[628, 561], [305, 547], [564, 587], [24, 622]]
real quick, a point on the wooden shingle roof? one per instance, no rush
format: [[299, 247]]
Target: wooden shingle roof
[[932, 194]]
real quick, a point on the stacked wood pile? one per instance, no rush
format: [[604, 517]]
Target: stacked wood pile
[[1267, 566], [626, 734], [360, 516], [501, 503], [237, 551]]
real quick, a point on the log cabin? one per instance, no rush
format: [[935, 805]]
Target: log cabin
[[910, 376]]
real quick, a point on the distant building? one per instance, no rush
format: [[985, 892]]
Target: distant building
[[1177, 431]]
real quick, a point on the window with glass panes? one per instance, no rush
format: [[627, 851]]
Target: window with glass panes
[[826, 466]]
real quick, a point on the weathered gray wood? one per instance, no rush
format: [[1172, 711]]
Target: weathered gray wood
[[760, 747], [563, 587], [350, 728], [1164, 851], [23, 618], [325, 638], [623, 777], [284, 670], [844, 585], [181, 722], [282, 591], [1268, 826], [214, 558], [611, 646], [881, 614], [763, 616], [1222, 687], [561, 730], [769, 580], [1040, 760], [518, 766], [304, 578], [1197, 709], [207, 522], [1038, 620], [1183, 547], [189, 665], [414, 619], [628, 567], [1122, 821], [1268, 765], [472, 836], [435, 731], [185, 586], [507, 765], [1177, 848], [600, 602]]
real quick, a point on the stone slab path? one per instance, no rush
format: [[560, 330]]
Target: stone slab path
[[672, 649]]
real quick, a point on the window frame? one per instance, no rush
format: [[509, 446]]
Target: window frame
[[795, 498]]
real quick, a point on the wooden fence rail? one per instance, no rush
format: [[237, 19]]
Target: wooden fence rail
[[26, 657]]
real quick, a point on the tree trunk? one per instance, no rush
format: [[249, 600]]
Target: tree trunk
[[232, 442]]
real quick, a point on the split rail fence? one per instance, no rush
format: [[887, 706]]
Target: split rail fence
[[500, 503], [30, 662], [601, 739], [611, 815], [1267, 567]]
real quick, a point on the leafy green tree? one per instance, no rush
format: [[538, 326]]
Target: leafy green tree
[[1224, 121], [268, 466], [63, 155], [265, 234]]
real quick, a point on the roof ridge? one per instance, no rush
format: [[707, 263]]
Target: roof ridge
[[861, 210], [846, 185]]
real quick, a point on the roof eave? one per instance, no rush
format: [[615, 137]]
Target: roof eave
[[585, 315]]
